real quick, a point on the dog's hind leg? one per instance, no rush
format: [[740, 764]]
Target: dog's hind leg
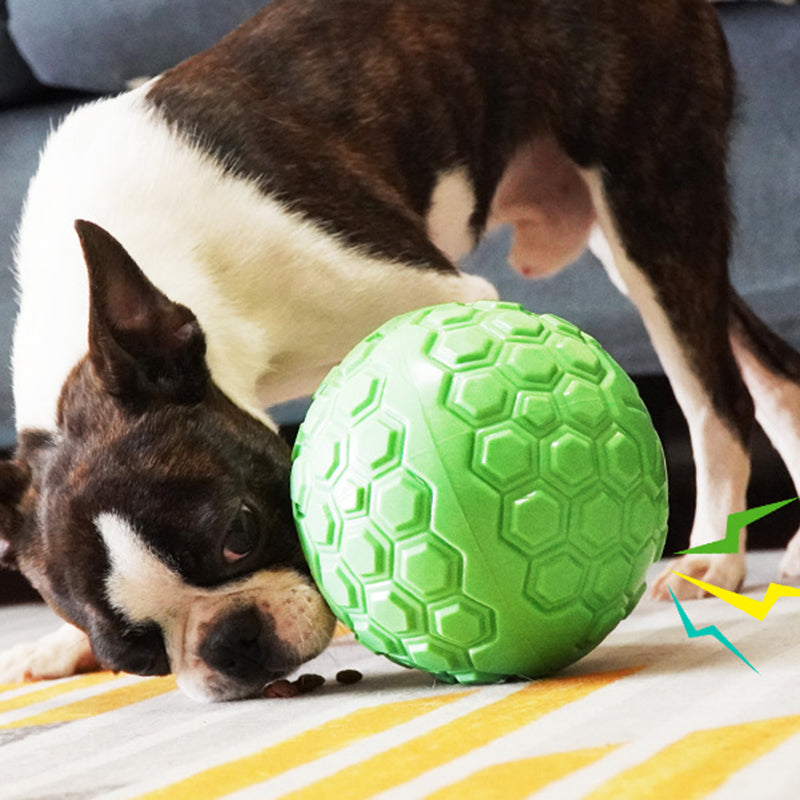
[[771, 370], [680, 288], [672, 263]]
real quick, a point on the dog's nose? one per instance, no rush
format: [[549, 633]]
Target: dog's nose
[[240, 646]]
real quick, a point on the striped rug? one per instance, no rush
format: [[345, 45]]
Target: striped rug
[[650, 714]]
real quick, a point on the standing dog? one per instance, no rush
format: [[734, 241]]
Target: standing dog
[[267, 203]]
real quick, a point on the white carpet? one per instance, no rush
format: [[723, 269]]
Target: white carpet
[[649, 714]]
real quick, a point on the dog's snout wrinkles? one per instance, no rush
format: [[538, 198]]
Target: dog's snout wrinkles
[[239, 646]]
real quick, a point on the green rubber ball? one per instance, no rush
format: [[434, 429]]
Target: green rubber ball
[[479, 492]]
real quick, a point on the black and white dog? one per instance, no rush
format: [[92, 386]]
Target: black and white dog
[[246, 217]]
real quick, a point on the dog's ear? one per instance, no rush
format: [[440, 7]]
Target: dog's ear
[[19, 480], [142, 345], [15, 478]]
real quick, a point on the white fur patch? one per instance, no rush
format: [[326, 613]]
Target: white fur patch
[[451, 208], [601, 250], [280, 300], [139, 584]]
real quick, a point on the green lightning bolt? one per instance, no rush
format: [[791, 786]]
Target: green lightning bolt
[[730, 544]]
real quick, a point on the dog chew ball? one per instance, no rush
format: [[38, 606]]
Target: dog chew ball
[[479, 492]]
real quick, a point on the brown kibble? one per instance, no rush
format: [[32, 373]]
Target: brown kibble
[[281, 689], [309, 683], [348, 676]]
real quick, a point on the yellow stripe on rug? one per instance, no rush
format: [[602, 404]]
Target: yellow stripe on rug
[[516, 780], [475, 729], [48, 690], [699, 763], [112, 700], [301, 749]]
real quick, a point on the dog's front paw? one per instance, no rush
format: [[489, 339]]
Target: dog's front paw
[[64, 652], [725, 570]]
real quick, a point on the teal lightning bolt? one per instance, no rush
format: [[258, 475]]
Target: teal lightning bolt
[[711, 630]]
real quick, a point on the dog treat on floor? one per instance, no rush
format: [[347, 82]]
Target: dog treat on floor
[[302, 685], [348, 676], [309, 683]]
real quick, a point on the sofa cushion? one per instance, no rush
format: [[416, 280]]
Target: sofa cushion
[[121, 41], [16, 79], [118, 40], [22, 134]]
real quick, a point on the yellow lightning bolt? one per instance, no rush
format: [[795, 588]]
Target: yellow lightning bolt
[[755, 608]]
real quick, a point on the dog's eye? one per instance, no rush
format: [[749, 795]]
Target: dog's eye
[[243, 536]]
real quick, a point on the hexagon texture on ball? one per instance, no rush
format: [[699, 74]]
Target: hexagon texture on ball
[[479, 491]]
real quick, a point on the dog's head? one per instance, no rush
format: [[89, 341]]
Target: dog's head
[[157, 517]]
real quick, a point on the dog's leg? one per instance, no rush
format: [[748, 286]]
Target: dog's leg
[[682, 294], [64, 652], [771, 370]]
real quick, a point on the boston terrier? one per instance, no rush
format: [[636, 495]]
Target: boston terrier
[[212, 242]]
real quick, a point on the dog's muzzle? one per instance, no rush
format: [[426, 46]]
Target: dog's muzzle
[[242, 647]]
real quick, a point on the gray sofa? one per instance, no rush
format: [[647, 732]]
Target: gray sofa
[[56, 53]]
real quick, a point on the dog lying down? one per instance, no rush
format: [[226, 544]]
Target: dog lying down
[[212, 242]]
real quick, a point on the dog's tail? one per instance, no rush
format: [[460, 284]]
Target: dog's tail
[[770, 368], [748, 331]]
